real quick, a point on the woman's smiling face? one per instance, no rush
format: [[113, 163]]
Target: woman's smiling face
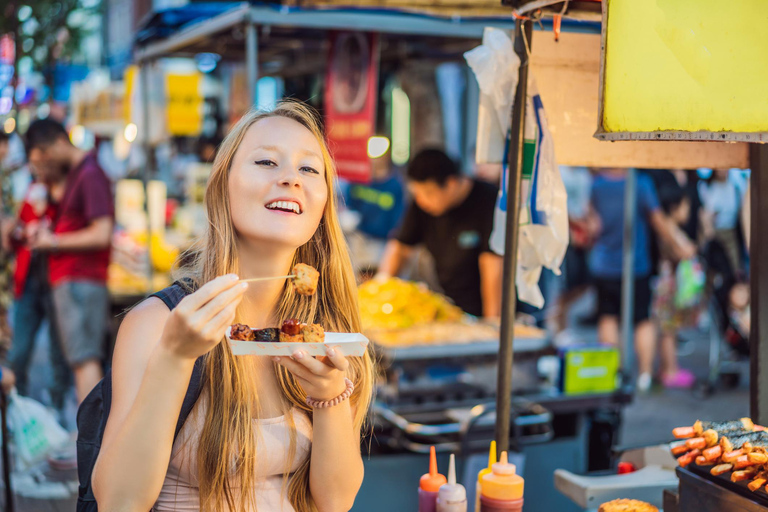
[[277, 183]]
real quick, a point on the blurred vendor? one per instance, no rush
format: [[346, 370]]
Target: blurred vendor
[[452, 216]]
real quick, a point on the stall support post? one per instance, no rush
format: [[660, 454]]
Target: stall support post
[[523, 35], [252, 59], [628, 276], [758, 261]]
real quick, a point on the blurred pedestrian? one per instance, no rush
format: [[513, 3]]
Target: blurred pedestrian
[[33, 300], [606, 261], [583, 226], [722, 198], [78, 247], [669, 314]]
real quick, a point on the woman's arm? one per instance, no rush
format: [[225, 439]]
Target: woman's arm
[[491, 274], [336, 468], [151, 372]]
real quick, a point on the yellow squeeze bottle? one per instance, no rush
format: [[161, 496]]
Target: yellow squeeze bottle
[[483, 472]]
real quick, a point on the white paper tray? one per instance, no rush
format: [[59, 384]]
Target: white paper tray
[[350, 344]]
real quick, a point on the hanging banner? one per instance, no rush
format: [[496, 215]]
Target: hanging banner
[[351, 87], [684, 70], [185, 104]]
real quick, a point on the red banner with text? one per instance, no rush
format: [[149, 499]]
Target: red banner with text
[[351, 88]]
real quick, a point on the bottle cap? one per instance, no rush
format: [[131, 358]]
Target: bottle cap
[[452, 492], [491, 462], [432, 481], [502, 483]]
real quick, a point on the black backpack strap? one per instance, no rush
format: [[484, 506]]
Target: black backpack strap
[[171, 297]]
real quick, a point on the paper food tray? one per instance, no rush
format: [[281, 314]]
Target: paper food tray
[[350, 344]]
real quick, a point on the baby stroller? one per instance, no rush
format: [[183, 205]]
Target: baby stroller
[[728, 334]]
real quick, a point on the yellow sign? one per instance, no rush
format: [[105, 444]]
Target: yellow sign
[[685, 69], [131, 75], [185, 105]]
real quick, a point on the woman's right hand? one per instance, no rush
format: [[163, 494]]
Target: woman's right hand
[[201, 319]]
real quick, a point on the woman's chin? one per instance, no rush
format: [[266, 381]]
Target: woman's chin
[[274, 238]]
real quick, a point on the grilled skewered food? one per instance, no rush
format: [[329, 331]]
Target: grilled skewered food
[[242, 332]]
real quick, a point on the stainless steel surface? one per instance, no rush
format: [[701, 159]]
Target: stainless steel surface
[[459, 350]]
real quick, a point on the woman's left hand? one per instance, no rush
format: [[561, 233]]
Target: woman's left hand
[[321, 380]]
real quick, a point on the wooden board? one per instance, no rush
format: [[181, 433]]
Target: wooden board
[[567, 75]]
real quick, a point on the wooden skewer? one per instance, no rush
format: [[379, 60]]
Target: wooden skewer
[[256, 279]]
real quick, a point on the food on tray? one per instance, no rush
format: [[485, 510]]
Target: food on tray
[[739, 447], [292, 331], [270, 334], [313, 333], [398, 304], [305, 279], [627, 506], [242, 332]]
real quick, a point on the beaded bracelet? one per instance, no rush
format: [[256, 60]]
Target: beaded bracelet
[[323, 404]]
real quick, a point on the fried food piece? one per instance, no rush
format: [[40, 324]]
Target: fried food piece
[[305, 279], [696, 443], [712, 454], [241, 332], [688, 457], [721, 469], [711, 437], [702, 461], [627, 506], [739, 476], [291, 338], [270, 334], [683, 432], [679, 449], [313, 333], [756, 484]]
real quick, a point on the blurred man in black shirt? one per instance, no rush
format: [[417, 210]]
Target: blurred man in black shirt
[[452, 216]]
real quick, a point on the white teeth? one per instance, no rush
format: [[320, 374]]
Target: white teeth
[[284, 205]]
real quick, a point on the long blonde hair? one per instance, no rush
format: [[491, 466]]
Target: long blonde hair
[[227, 450]]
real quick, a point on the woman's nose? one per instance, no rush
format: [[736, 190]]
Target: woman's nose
[[290, 178]]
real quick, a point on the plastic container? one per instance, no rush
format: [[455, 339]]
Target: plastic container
[[429, 485], [452, 497], [487, 471], [502, 489]]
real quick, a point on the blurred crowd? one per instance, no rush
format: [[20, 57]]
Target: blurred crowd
[[691, 260]]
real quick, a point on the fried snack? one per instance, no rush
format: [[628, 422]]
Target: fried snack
[[627, 506], [241, 332], [270, 334], [313, 333], [291, 338], [305, 279], [290, 332]]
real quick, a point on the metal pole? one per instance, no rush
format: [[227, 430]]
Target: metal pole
[[146, 173], [523, 34], [252, 59], [758, 349], [628, 275]]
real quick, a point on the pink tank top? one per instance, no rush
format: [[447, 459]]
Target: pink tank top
[[180, 492]]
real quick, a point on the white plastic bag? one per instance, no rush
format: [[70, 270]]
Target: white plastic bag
[[543, 235], [34, 431]]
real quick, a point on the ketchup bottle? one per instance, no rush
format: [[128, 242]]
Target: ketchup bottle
[[429, 485]]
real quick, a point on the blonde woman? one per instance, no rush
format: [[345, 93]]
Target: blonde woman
[[251, 442]]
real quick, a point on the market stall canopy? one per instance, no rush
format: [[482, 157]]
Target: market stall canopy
[[292, 40]]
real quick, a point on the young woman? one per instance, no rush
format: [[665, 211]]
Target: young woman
[[251, 441]]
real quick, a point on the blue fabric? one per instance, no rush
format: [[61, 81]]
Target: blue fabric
[[379, 203], [608, 202]]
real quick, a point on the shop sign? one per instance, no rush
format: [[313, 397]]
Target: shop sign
[[350, 101], [185, 104]]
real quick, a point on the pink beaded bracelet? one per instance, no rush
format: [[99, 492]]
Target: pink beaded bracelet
[[322, 404]]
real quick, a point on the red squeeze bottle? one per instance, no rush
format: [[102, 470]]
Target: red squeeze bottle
[[429, 485]]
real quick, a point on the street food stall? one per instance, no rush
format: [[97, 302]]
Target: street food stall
[[444, 375]]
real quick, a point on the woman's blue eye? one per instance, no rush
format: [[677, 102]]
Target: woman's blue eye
[[265, 162], [310, 170]]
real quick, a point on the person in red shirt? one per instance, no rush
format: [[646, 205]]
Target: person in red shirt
[[78, 247], [32, 295]]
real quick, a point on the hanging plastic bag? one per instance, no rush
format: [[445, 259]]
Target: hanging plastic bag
[[543, 233], [34, 431]]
